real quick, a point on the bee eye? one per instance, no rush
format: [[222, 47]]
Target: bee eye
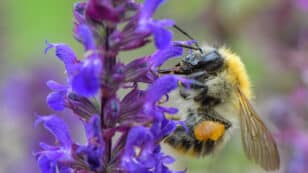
[[192, 59], [210, 57], [211, 61]]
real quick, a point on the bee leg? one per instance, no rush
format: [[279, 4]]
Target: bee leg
[[198, 75], [194, 84], [205, 99], [214, 116], [185, 93], [210, 101], [180, 139]]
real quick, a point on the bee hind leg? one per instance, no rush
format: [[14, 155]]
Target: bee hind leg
[[180, 139], [214, 116]]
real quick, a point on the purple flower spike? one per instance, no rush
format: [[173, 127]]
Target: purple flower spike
[[123, 135]]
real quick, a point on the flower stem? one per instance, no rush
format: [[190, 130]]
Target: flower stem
[[109, 62]]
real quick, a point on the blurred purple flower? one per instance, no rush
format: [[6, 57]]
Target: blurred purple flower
[[28, 84], [137, 118], [69, 155], [302, 4]]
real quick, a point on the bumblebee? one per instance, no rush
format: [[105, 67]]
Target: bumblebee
[[217, 102]]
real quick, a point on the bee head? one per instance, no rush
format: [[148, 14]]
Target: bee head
[[210, 61], [207, 59]]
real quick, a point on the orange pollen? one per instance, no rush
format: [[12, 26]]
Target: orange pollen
[[209, 130]]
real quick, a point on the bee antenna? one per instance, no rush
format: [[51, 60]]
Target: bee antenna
[[187, 46], [188, 36]]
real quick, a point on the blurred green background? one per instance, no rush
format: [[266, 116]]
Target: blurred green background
[[270, 36]]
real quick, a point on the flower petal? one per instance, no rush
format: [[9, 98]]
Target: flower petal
[[56, 100], [138, 150], [136, 68], [57, 127], [162, 55], [46, 165], [93, 129], [149, 7], [64, 52], [137, 136], [55, 86], [162, 37], [79, 11], [131, 104], [161, 87], [87, 82], [94, 150], [163, 128], [64, 169], [85, 35], [45, 146], [169, 110], [66, 55]]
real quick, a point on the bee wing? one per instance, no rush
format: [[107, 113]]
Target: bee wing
[[259, 144]]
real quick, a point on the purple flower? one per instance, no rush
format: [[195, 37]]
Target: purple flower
[[146, 24], [82, 75], [30, 84], [302, 4], [94, 150], [52, 155], [87, 81], [141, 153], [92, 88], [56, 99], [69, 154], [144, 69]]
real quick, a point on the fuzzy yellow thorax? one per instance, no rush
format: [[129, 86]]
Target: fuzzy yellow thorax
[[236, 72]]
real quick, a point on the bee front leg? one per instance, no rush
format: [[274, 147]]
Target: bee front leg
[[196, 83], [200, 75], [214, 93]]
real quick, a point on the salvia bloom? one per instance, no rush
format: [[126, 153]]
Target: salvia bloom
[[123, 134]]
